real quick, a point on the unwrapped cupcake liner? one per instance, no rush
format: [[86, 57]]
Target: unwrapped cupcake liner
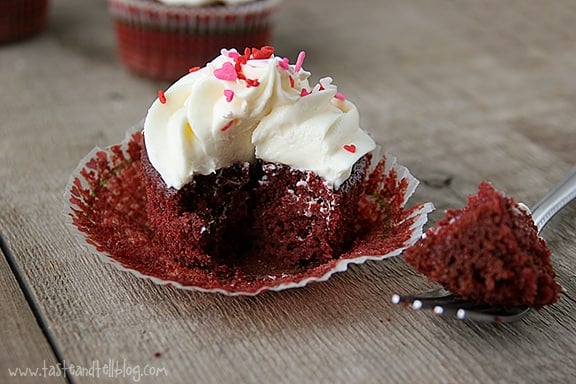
[[20, 19], [163, 41], [105, 208]]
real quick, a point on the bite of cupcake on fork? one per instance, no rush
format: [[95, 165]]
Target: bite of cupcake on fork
[[489, 258]]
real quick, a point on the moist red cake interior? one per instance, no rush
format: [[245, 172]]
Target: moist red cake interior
[[264, 212], [489, 251], [300, 219]]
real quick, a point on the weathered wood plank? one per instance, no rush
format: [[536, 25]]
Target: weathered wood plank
[[25, 354], [458, 91]]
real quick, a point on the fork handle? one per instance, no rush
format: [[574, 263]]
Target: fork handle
[[554, 200]]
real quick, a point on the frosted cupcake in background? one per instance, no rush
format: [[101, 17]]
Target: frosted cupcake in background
[[20, 19], [162, 39]]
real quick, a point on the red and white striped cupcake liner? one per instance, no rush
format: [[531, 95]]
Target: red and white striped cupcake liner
[[163, 41]]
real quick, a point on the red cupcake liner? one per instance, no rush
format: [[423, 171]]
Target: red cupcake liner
[[162, 42], [105, 206], [20, 19]]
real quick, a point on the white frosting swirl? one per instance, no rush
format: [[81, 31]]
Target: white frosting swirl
[[194, 3], [318, 132], [238, 107]]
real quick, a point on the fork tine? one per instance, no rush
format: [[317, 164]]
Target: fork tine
[[504, 315], [435, 293], [461, 310], [425, 300], [430, 303], [452, 309], [482, 313]]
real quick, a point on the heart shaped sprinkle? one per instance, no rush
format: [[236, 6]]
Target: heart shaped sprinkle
[[304, 92], [226, 72], [229, 94], [284, 63], [350, 148], [263, 53]]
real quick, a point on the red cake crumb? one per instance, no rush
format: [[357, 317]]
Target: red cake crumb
[[489, 251]]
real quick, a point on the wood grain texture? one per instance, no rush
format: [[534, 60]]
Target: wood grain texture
[[459, 91], [23, 345]]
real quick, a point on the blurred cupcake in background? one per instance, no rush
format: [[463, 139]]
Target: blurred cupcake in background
[[163, 39], [20, 19]]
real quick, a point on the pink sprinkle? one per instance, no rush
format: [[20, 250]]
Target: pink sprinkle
[[284, 63], [291, 81], [233, 55], [299, 61], [193, 69], [304, 92], [229, 94], [161, 96], [340, 96], [230, 123], [226, 72]]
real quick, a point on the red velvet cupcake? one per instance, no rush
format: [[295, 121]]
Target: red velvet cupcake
[[245, 178], [162, 39], [245, 160], [20, 19], [489, 252]]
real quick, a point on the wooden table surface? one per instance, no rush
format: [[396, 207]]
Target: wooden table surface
[[459, 91]]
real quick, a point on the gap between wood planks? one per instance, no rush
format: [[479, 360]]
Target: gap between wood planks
[[32, 304]]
